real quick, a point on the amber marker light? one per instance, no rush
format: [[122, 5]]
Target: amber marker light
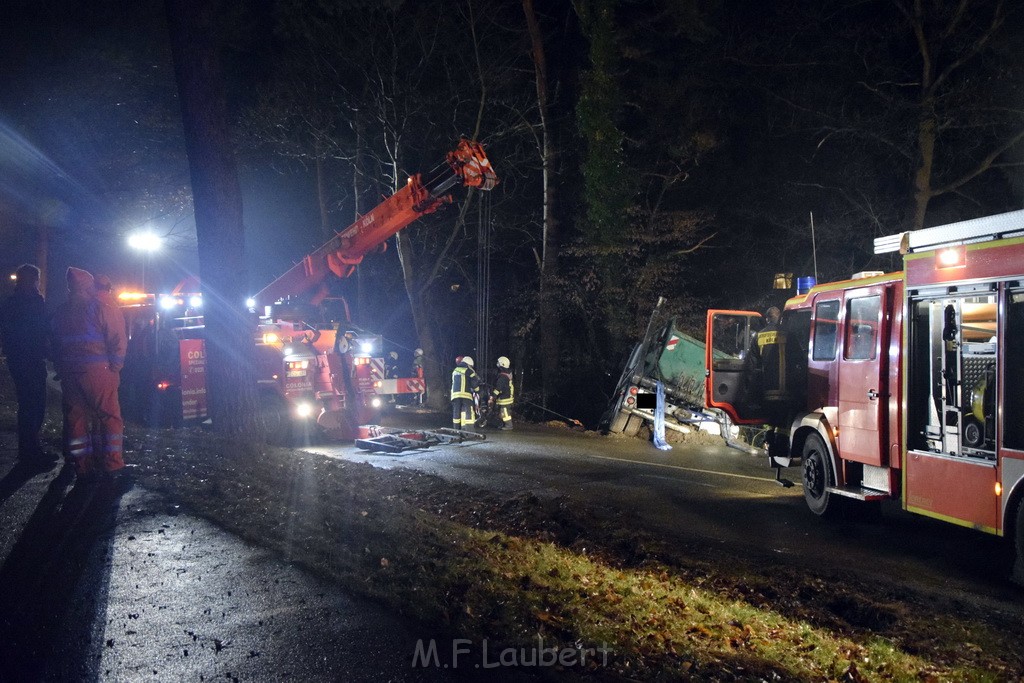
[[999, 489]]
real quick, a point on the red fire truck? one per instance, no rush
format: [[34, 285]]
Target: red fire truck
[[306, 370], [906, 385]]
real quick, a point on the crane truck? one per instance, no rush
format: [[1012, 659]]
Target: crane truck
[[906, 386], [306, 371]]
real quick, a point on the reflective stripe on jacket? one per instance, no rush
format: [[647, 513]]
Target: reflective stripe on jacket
[[464, 381], [504, 391]]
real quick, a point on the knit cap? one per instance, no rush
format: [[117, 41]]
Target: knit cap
[[79, 280]]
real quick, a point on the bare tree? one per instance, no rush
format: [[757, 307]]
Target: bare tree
[[949, 38]]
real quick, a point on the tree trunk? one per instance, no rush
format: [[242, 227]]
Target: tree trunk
[[549, 321], [434, 373], [230, 377]]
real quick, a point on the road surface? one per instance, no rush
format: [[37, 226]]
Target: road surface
[[706, 493]]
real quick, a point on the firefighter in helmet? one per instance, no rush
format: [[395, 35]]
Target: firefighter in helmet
[[504, 392], [465, 383]]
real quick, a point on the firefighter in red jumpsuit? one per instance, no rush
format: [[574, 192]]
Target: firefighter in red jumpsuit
[[90, 343]]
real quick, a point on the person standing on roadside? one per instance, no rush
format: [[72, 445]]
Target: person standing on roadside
[[465, 384], [23, 332], [90, 343], [417, 372], [504, 392]]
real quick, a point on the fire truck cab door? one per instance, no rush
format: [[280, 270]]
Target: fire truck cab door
[[863, 396], [732, 379]]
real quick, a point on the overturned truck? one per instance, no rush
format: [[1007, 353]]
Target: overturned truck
[[668, 355]]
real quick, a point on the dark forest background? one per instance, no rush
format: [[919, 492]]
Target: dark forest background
[[681, 148]]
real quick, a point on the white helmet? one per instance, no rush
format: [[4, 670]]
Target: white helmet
[[503, 362], [467, 360], [418, 352]]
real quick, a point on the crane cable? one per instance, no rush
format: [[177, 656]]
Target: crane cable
[[483, 279]]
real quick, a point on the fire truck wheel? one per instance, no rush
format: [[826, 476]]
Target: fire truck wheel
[[817, 476], [1017, 575]]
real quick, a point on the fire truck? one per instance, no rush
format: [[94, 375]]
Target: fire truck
[[308, 369], [906, 385]]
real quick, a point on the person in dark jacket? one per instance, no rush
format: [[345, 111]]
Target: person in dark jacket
[[24, 333]]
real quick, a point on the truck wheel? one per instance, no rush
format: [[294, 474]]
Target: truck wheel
[[633, 425], [617, 423], [274, 413], [817, 476], [1017, 575]]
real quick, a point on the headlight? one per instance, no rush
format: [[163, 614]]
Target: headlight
[[366, 347], [250, 303], [168, 302], [195, 301], [303, 409], [375, 402]]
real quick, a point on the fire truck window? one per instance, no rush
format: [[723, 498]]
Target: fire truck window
[[826, 317], [1013, 394], [861, 328]]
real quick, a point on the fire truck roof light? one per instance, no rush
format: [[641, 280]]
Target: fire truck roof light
[[949, 257], [289, 351], [367, 347]]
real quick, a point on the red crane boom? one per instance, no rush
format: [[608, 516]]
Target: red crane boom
[[466, 164]]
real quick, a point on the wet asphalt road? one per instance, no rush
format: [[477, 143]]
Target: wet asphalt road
[[720, 499], [103, 583]]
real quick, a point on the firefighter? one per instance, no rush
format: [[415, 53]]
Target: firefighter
[[391, 366], [23, 330], [504, 392], [768, 341], [90, 344], [391, 371], [417, 372], [465, 383]]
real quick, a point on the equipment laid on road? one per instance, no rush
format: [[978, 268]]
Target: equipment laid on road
[[305, 371], [391, 440], [905, 386]]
